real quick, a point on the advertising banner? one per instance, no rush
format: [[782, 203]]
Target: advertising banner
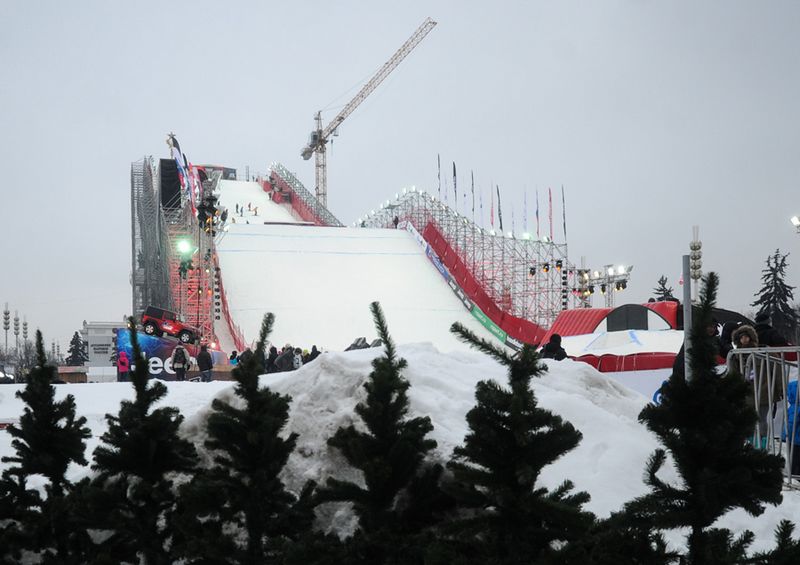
[[158, 352], [488, 324]]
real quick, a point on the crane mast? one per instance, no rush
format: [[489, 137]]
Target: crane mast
[[319, 137]]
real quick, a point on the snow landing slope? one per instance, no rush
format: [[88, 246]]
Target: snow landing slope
[[319, 281]]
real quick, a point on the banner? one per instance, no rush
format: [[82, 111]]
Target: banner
[[158, 353], [493, 328]]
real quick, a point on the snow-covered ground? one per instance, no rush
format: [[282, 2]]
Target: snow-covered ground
[[319, 281], [608, 463]]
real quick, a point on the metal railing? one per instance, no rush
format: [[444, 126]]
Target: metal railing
[[771, 370], [311, 202]]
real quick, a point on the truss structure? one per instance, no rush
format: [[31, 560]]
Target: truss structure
[[528, 278], [149, 242], [156, 230]]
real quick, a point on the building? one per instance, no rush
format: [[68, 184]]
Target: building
[[99, 340]]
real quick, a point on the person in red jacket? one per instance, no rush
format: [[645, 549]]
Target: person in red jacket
[[123, 366]]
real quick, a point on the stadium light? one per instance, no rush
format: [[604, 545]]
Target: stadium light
[[184, 246], [796, 223]]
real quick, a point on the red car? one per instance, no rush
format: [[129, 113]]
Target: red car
[[157, 321]]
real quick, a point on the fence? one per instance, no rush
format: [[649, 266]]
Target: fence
[[773, 372]]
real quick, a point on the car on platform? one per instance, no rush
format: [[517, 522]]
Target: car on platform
[[157, 321]]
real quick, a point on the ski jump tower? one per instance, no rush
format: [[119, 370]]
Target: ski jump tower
[[172, 255]]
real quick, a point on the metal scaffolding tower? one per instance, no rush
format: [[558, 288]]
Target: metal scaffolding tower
[[156, 230], [149, 244], [527, 278]]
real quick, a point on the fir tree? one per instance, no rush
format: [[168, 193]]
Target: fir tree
[[662, 291], [704, 423], [76, 355], [511, 440], [787, 550], [141, 452], [775, 296], [242, 490], [390, 455], [48, 439]]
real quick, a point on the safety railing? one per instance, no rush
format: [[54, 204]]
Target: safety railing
[[308, 200], [233, 328], [773, 373]]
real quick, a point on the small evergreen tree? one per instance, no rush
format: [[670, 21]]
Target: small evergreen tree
[[76, 354], [242, 490], [704, 422], [662, 291], [48, 439], [511, 439], [132, 495], [775, 296], [787, 550], [390, 455]]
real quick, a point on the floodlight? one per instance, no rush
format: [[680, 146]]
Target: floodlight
[[603, 289], [621, 270], [546, 268], [596, 274], [184, 246], [526, 235], [796, 221], [611, 271], [559, 264]]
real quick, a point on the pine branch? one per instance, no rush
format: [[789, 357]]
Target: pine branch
[[480, 344], [383, 331]]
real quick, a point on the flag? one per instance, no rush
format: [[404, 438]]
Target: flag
[[472, 176], [455, 187], [550, 212], [491, 217], [480, 197], [439, 169], [499, 209], [525, 211], [564, 212], [537, 213]]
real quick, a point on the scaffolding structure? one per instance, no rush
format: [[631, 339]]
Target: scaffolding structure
[[149, 245], [157, 228], [528, 278]]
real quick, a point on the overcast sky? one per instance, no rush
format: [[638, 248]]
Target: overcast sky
[[655, 116]]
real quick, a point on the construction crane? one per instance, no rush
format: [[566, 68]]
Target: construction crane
[[319, 137]]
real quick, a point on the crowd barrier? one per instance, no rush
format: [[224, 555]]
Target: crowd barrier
[[773, 373]]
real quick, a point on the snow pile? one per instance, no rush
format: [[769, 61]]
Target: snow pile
[[608, 463]]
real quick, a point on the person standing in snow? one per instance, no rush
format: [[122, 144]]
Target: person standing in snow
[[205, 364], [233, 359], [314, 353], [297, 360], [767, 335], [285, 361], [553, 350], [123, 366], [180, 362], [271, 357]]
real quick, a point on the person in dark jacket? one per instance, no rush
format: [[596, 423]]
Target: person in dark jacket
[[679, 366], [205, 364], [273, 355], [247, 354], [285, 361], [553, 350], [180, 362], [314, 353], [767, 335]]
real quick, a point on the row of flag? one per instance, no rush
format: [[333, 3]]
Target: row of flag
[[444, 198]]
